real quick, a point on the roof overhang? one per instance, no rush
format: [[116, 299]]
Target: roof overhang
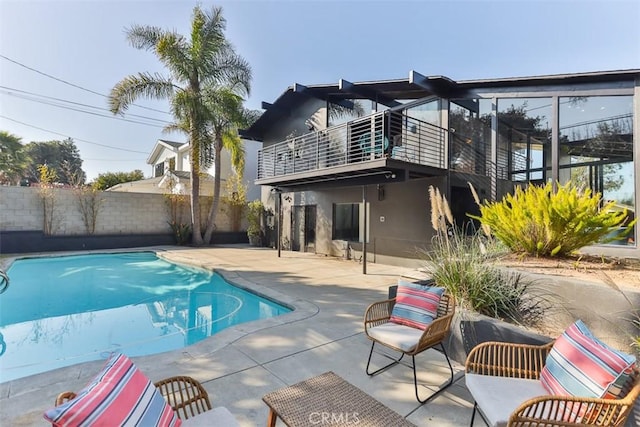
[[385, 92], [416, 86]]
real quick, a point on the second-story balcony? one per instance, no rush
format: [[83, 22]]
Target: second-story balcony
[[383, 143]]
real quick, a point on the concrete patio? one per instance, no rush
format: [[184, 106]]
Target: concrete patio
[[241, 364]]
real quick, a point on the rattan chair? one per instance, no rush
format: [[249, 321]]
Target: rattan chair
[[434, 335], [525, 362], [185, 395]]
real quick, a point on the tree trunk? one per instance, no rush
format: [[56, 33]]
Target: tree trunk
[[216, 192], [194, 150]]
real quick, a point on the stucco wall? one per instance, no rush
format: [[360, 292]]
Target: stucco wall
[[251, 149], [120, 213], [295, 122], [399, 219]]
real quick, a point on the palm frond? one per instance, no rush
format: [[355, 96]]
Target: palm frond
[[142, 85], [207, 33], [233, 144], [174, 52], [337, 111], [176, 127], [214, 25], [249, 117], [226, 68], [144, 37]]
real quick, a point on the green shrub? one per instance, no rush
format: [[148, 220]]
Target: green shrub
[[254, 215], [181, 232], [462, 263], [543, 222]]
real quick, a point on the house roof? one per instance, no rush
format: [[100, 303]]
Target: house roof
[[154, 185], [172, 143], [182, 174], [416, 86]]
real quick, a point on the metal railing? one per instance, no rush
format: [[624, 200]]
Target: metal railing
[[4, 281], [466, 157], [395, 135]]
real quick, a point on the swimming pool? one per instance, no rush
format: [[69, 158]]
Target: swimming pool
[[60, 311]]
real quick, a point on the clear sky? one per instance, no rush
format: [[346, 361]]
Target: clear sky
[[286, 42]]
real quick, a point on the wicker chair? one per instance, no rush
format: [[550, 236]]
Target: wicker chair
[[379, 313], [525, 362], [185, 395]]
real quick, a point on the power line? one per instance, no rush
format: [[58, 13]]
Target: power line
[[114, 160], [67, 136], [10, 90], [72, 84], [107, 116]]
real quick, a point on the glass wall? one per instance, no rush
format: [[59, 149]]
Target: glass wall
[[596, 148], [524, 138], [428, 112], [470, 135]]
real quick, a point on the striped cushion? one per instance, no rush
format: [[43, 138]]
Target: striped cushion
[[416, 305], [581, 365], [120, 395]]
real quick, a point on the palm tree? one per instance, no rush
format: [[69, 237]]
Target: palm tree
[[226, 115], [207, 58], [13, 158]]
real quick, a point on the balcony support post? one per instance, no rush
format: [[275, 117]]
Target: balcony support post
[[278, 231], [364, 231]]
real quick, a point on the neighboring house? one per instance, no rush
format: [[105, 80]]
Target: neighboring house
[[328, 162], [176, 182], [170, 168]]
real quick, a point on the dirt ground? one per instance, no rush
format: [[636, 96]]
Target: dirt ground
[[616, 273]]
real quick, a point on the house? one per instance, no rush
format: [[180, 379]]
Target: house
[[352, 162], [170, 170]]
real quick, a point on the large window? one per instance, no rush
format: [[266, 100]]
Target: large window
[[470, 136], [596, 148], [159, 169], [524, 138], [346, 222]]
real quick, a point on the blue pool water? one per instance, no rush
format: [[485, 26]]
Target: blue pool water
[[59, 311]]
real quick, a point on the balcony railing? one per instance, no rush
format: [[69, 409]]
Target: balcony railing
[[395, 136]]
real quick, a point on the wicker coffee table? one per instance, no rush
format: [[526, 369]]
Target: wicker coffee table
[[328, 400]]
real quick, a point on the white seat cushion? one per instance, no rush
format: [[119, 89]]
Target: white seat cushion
[[498, 397], [217, 417], [399, 336]]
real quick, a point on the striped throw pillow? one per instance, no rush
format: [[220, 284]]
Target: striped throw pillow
[[581, 365], [416, 305], [120, 395]]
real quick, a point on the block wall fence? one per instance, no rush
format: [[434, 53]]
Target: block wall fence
[[21, 210]]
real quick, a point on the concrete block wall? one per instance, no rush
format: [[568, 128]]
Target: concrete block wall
[[120, 213], [20, 209]]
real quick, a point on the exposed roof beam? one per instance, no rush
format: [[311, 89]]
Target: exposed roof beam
[[347, 86], [440, 86], [274, 108], [298, 88]]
